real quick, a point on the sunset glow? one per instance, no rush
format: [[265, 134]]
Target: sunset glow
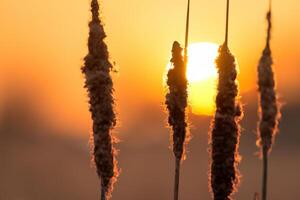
[[48, 56], [143, 99], [202, 77]]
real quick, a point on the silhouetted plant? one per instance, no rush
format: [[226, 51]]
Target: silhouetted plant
[[269, 110], [225, 133], [96, 69], [176, 101]]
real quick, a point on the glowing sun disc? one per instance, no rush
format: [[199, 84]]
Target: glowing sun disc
[[201, 61], [202, 76]]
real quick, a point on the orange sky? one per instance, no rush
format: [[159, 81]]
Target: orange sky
[[43, 43]]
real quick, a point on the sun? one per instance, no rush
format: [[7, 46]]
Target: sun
[[202, 76]]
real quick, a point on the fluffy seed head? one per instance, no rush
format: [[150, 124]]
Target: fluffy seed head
[[176, 100], [225, 130], [99, 85], [269, 109]]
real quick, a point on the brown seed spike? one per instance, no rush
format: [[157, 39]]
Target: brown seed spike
[[96, 69], [269, 115], [225, 132], [269, 106], [176, 101]]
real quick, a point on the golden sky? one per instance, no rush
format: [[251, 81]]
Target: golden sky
[[43, 44]]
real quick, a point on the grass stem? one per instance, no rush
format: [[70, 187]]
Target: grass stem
[[227, 23], [177, 179], [187, 34], [265, 174]]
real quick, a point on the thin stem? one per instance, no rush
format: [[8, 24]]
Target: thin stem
[[187, 33], [103, 193], [177, 177], [227, 24], [269, 19], [265, 173]]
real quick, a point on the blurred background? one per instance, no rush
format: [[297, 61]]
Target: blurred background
[[44, 121]]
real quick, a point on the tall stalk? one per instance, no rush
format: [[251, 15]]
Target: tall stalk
[[176, 101], [265, 173], [269, 109], [99, 85], [225, 133], [187, 34], [227, 23]]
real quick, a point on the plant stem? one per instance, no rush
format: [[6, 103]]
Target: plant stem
[[265, 173], [177, 177], [187, 33], [269, 19], [227, 23]]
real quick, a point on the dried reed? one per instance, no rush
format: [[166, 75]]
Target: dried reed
[[269, 109], [176, 101], [96, 69], [225, 133]]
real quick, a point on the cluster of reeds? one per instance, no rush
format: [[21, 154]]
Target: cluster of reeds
[[96, 69], [225, 128]]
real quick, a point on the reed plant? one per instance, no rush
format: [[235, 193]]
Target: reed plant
[[176, 101], [269, 107], [99, 85], [225, 130]]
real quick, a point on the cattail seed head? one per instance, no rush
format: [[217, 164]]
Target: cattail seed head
[[269, 109], [225, 133], [99, 85], [176, 100]]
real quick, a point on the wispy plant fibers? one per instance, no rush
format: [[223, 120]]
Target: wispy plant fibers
[[269, 111], [96, 69], [225, 132], [176, 101]]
